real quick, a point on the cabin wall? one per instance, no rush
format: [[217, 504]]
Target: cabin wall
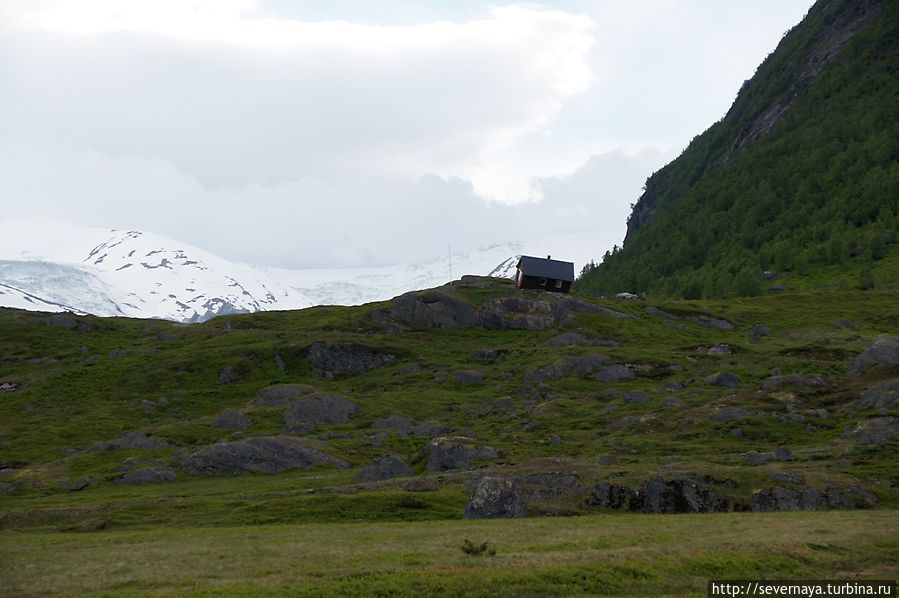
[[543, 284]]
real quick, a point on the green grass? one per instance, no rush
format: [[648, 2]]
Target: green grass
[[603, 554], [75, 398]]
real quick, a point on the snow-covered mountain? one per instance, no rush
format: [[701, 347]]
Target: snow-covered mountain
[[48, 265]]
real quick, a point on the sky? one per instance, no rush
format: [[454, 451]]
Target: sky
[[354, 133]]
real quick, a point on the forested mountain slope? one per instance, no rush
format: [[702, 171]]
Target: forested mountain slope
[[800, 179]]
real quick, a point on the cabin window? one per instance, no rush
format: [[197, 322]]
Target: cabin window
[[558, 284], [542, 282]]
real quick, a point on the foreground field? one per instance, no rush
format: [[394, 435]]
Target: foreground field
[[612, 554]]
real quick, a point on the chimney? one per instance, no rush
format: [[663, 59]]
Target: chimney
[[548, 257]]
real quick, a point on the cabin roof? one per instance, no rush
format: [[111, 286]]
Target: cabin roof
[[546, 268]]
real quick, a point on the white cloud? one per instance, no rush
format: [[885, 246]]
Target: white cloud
[[294, 141]]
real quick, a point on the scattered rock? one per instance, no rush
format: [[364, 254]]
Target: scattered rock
[[232, 419], [468, 377], [566, 339], [384, 468], [731, 413], [229, 375], [394, 422], [441, 308], [495, 498], [319, 408], [759, 331], [569, 366], [6, 386], [785, 477], [279, 363], [757, 458], [720, 349], [148, 475], [876, 430], [421, 485], [688, 495], [411, 369], [819, 413], [338, 359], [810, 380], [608, 496], [488, 355], [882, 398], [6, 488], [607, 459], [725, 379], [883, 352], [455, 453], [671, 402], [69, 322], [614, 373], [279, 395], [845, 325], [786, 499], [783, 454], [139, 440], [504, 404], [638, 397], [262, 454], [77, 485], [674, 386], [431, 429]]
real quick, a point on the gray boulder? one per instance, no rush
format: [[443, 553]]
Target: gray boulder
[[636, 397], [468, 377], [139, 440], [262, 454], [232, 419], [883, 352], [782, 453], [757, 458], [882, 397], [800, 380], [319, 408], [725, 379], [384, 468], [608, 496], [431, 429], [342, 359], [566, 339], [614, 373], [759, 331], [279, 395], [780, 498], [147, 475], [688, 495], [876, 430], [495, 498], [731, 413], [455, 453], [7, 488], [569, 366]]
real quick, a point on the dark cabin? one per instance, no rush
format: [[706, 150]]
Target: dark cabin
[[547, 274]]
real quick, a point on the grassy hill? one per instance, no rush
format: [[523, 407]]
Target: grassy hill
[[800, 178], [89, 401]]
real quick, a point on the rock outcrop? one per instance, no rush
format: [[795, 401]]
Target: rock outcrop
[[384, 468], [262, 454], [455, 453], [332, 360], [495, 498]]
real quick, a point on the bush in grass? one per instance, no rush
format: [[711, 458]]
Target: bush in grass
[[468, 547]]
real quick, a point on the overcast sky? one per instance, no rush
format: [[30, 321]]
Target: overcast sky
[[300, 133]]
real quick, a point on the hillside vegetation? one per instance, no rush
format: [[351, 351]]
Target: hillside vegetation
[[124, 431], [800, 179]]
